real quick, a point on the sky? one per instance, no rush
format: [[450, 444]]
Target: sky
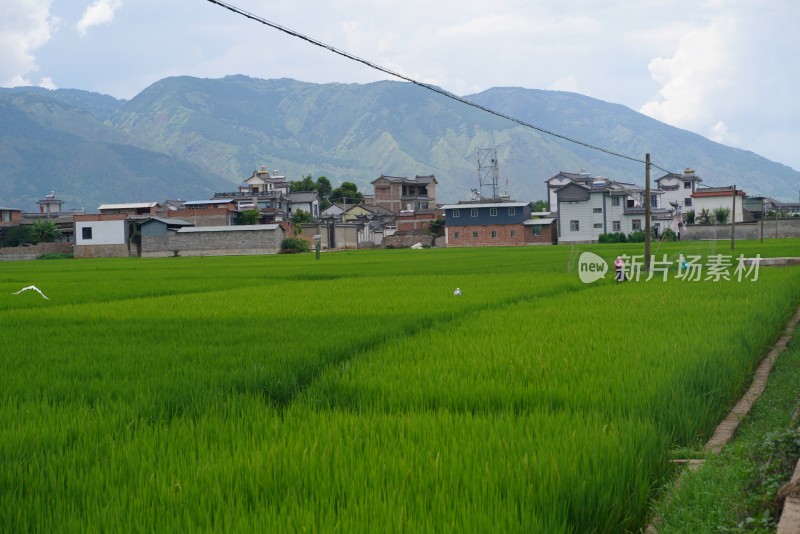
[[726, 69]]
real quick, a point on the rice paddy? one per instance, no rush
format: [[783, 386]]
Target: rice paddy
[[356, 393]]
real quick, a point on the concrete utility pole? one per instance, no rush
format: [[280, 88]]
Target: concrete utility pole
[[647, 212], [733, 218]]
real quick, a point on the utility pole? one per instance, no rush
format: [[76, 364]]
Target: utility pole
[[647, 212], [733, 218]]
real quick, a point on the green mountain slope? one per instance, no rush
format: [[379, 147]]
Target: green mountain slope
[[47, 145], [186, 137]]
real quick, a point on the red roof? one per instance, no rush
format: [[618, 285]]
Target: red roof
[[728, 193]]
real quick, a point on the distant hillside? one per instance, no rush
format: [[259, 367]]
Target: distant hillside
[[187, 137]]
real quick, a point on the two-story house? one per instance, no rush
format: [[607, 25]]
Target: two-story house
[[264, 192], [602, 207], [398, 194], [308, 201], [677, 189], [491, 223], [560, 180]]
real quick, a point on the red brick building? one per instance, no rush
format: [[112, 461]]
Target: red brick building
[[398, 194]]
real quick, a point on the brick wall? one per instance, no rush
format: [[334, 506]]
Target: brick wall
[[484, 236], [545, 239], [100, 251], [202, 217], [406, 241], [34, 251], [771, 229], [213, 243]]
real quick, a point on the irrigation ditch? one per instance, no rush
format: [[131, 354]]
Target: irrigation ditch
[[789, 522]]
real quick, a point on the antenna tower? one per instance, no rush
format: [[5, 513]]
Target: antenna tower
[[488, 171]]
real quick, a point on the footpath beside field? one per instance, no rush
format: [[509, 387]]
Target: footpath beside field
[[788, 496]]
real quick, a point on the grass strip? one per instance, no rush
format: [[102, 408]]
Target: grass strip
[[736, 490]]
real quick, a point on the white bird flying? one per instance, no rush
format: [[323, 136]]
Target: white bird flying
[[31, 287], [457, 292]]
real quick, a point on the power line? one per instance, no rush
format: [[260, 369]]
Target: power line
[[435, 89]]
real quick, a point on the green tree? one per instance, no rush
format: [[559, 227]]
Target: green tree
[[249, 217], [721, 215], [540, 205], [301, 216], [690, 217], [44, 232], [347, 193], [16, 236], [306, 184], [324, 190], [437, 227]]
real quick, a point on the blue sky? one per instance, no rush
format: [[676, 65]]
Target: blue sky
[[726, 69]]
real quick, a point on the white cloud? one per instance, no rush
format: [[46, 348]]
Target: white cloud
[[98, 13], [693, 77], [25, 26]]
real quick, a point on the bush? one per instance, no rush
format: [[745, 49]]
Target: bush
[[614, 237], [295, 244], [16, 236], [637, 236], [669, 235]]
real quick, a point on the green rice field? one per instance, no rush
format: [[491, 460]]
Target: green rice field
[[355, 393]]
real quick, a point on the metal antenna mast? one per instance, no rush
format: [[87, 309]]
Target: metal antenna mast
[[488, 171]]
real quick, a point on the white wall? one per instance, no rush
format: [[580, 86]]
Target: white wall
[[103, 233], [712, 203]]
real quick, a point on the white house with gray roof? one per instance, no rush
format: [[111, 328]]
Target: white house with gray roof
[[585, 211]]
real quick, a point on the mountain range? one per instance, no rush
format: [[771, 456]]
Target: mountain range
[[185, 137]]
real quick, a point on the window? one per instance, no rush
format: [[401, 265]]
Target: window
[[86, 232], [456, 214], [687, 185], [615, 201], [513, 233], [493, 212], [687, 201], [597, 210], [512, 211], [494, 234], [598, 225], [474, 235], [6, 216], [456, 235], [636, 224], [574, 226], [537, 231], [473, 212], [615, 226], [653, 201]]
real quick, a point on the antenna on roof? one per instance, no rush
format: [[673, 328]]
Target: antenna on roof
[[488, 170]]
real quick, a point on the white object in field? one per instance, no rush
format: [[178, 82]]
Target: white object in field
[[457, 292], [31, 287], [417, 246]]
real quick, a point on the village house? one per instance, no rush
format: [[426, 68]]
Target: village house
[[264, 192], [714, 198], [398, 194], [587, 210], [494, 223], [560, 180], [10, 216], [308, 201], [213, 212], [677, 189]]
